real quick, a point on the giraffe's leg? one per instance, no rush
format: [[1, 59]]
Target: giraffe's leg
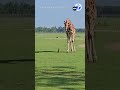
[[74, 43], [68, 42], [74, 46], [71, 41], [93, 44], [87, 44], [94, 51], [90, 50], [71, 46], [68, 45], [90, 43], [88, 39], [91, 38]]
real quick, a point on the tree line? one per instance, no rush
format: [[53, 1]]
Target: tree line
[[55, 29], [17, 9]]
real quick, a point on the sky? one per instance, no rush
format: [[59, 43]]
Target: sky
[[50, 13]]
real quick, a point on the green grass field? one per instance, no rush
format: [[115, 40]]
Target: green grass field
[[105, 73], [16, 43], [108, 23], [59, 71], [16, 38]]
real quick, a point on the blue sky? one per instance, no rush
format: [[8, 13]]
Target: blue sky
[[62, 9]]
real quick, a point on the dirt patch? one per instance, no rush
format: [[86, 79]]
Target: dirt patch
[[113, 46]]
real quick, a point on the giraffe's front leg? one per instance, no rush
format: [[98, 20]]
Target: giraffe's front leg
[[68, 45], [71, 45], [74, 49]]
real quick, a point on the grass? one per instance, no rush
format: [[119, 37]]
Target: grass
[[17, 38], [104, 74], [16, 45], [59, 71], [108, 23]]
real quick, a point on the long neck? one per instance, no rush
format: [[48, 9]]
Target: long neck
[[90, 8]]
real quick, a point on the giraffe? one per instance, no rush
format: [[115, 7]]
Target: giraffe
[[70, 33], [90, 17]]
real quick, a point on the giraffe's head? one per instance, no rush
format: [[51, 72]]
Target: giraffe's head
[[67, 24]]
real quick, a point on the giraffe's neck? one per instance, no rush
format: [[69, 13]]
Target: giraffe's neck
[[91, 9]]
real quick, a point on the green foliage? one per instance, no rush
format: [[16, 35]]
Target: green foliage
[[17, 9], [54, 29]]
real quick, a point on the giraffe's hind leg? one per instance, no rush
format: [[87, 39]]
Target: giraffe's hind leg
[[90, 50], [93, 44], [74, 46]]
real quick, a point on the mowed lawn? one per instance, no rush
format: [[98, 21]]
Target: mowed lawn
[[108, 23], [105, 73], [59, 71], [16, 47]]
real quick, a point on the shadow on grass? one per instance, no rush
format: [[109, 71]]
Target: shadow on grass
[[50, 51], [67, 67], [17, 60], [70, 88], [60, 77], [44, 51]]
